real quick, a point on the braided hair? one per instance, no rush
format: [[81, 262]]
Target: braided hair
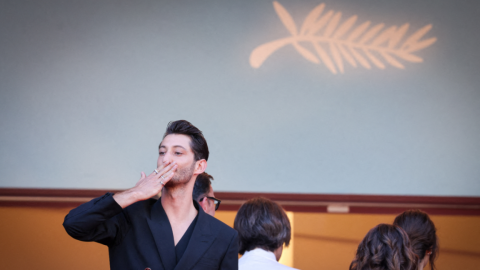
[[385, 247]]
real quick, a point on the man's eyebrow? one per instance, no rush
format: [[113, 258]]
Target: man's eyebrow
[[163, 146]]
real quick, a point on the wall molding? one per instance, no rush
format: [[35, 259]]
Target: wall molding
[[231, 201]]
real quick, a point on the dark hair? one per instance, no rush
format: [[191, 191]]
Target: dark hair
[[385, 247], [198, 143], [262, 223], [202, 185], [422, 233]]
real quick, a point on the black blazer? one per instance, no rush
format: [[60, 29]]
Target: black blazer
[[140, 236]]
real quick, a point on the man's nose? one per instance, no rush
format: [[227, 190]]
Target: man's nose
[[167, 158]]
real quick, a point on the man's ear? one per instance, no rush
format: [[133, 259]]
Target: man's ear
[[201, 166], [203, 204]]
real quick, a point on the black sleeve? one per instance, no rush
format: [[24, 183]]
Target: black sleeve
[[101, 220]]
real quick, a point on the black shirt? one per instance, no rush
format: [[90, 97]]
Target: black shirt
[[183, 243]]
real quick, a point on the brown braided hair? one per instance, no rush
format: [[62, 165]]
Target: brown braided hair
[[385, 247]]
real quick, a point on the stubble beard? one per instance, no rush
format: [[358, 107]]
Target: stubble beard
[[182, 176]]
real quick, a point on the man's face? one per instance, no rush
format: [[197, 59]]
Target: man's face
[[176, 148], [210, 205]]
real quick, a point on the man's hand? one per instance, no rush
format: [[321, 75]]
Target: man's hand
[[148, 186]]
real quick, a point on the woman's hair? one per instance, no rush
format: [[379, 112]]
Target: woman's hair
[[385, 247], [262, 223], [422, 233]]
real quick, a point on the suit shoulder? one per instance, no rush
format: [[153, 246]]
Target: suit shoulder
[[220, 226]]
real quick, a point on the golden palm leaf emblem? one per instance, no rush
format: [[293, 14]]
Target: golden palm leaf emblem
[[335, 43]]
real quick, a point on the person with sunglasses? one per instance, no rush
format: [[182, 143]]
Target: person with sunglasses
[[203, 194]]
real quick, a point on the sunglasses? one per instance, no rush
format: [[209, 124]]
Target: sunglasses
[[215, 201]]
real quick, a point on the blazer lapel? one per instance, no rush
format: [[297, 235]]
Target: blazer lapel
[[163, 235], [201, 239]]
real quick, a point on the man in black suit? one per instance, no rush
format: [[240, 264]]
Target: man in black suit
[[203, 194], [170, 233]]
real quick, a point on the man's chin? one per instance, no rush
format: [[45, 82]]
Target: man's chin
[[178, 182]]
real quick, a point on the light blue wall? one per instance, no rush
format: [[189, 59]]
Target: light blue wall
[[88, 87]]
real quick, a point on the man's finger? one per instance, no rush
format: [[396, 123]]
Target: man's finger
[[166, 169], [167, 176], [158, 169]]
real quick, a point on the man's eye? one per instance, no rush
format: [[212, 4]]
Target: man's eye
[[161, 153], [178, 153]]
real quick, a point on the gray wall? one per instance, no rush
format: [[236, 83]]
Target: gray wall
[[88, 87]]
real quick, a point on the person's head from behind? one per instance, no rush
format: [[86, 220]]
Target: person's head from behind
[[262, 223], [184, 144], [203, 194], [422, 233], [385, 247]]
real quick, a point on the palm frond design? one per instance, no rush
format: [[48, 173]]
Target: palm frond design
[[336, 43]]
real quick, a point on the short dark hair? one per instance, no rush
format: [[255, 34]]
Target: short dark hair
[[262, 223], [385, 247], [198, 143], [422, 233], [202, 186]]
